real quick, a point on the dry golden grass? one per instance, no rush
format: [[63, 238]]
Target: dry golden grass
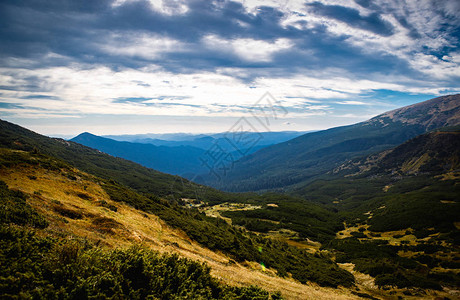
[[409, 239], [215, 210]]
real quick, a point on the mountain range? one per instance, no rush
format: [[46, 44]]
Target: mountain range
[[276, 162], [180, 154], [308, 157]]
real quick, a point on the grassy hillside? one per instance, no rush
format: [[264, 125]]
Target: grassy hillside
[[149, 183], [41, 265], [81, 215], [41, 176], [140, 178]]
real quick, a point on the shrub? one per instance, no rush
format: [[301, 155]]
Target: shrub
[[14, 209], [50, 268], [67, 212]]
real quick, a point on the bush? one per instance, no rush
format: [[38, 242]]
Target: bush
[[50, 268], [358, 234], [67, 212], [14, 209]]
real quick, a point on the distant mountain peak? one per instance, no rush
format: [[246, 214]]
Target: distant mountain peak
[[433, 113], [85, 134]]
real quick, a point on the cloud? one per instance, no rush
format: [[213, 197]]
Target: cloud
[[248, 49], [131, 100], [145, 46], [351, 102], [372, 22], [77, 91], [177, 7]]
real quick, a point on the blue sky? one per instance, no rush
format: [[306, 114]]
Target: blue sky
[[139, 66]]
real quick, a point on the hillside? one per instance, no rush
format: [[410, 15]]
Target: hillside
[[174, 160], [76, 205], [431, 153], [415, 184], [308, 157], [400, 210], [95, 162], [148, 182]]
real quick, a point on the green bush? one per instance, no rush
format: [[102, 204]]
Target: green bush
[[14, 209], [382, 261], [36, 267]]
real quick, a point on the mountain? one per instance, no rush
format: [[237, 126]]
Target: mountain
[[175, 160], [142, 179], [63, 234], [310, 156], [177, 157], [412, 185], [205, 141], [146, 181], [433, 153]]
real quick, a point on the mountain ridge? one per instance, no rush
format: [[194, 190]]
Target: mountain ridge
[[301, 160], [174, 160]]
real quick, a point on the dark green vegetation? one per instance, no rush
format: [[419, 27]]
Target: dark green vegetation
[[14, 209], [413, 186], [307, 219], [400, 190], [413, 201], [216, 234], [380, 260], [310, 156]]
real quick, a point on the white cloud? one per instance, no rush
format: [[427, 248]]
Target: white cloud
[[248, 49], [424, 16], [145, 46], [448, 67], [351, 102], [167, 7]]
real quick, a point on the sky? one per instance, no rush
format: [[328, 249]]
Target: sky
[[157, 66]]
